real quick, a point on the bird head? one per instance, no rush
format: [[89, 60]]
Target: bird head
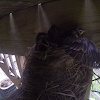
[[41, 41], [40, 37], [78, 32]]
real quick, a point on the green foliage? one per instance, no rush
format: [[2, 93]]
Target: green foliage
[[94, 85]]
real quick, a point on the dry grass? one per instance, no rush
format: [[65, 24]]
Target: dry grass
[[54, 75]]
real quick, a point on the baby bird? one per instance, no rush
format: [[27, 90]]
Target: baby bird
[[80, 48]]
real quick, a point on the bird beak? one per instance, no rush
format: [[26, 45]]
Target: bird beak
[[82, 31]]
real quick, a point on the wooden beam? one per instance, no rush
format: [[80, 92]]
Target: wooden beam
[[5, 61], [18, 64], [1, 58], [13, 66], [22, 62]]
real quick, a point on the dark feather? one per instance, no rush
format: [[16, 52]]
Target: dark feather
[[80, 48], [84, 45]]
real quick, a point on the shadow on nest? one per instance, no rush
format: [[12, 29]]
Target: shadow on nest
[[53, 75]]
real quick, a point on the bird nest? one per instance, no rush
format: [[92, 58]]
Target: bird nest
[[54, 75]]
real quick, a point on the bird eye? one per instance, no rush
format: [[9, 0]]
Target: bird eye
[[80, 31]]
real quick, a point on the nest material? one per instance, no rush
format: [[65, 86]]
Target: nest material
[[54, 75]]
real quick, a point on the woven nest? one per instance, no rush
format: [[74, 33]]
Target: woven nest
[[54, 75]]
